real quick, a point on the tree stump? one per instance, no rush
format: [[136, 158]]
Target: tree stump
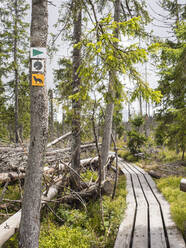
[[183, 184]]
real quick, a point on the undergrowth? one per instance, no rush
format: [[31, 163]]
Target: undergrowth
[[80, 227], [85, 228], [170, 188], [12, 192]]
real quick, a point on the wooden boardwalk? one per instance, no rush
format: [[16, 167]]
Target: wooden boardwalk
[[147, 222]]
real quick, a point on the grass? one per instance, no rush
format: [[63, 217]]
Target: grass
[[170, 188], [166, 155]]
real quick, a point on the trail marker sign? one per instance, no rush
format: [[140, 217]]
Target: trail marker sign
[[38, 53], [38, 65], [38, 79]]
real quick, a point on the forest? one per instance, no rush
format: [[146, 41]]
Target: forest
[[92, 108]]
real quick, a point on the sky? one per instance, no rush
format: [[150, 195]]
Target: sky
[[160, 27]]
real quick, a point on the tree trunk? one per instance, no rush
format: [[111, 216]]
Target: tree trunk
[[140, 105], [183, 153], [107, 129], [30, 218], [16, 75], [51, 123], [76, 105]]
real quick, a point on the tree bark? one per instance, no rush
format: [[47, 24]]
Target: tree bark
[[76, 104], [110, 105], [16, 75], [30, 218], [51, 120]]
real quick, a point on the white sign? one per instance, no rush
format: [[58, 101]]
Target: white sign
[[38, 53], [38, 65]]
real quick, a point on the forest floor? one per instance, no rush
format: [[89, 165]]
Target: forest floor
[[176, 168], [158, 165]]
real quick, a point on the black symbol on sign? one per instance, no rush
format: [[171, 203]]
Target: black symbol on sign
[[38, 65], [37, 80]]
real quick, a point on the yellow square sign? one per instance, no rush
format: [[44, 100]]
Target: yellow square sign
[[38, 79]]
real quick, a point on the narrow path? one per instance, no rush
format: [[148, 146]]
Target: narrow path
[[147, 222]]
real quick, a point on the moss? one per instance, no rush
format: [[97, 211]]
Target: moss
[[177, 199]]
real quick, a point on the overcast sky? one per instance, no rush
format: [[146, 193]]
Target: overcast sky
[[160, 26]]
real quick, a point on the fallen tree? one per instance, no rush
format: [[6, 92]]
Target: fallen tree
[[10, 226], [59, 139], [17, 158], [19, 173]]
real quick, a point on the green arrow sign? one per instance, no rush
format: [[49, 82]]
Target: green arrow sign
[[36, 52]]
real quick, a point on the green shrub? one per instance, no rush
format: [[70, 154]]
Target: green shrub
[[136, 141], [177, 199], [88, 175], [126, 155], [166, 155]]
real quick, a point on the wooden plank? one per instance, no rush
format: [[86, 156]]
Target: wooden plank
[[155, 200], [157, 236], [140, 238], [125, 229], [174, 235]]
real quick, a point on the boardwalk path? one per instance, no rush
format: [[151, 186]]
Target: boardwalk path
[[147, 222]]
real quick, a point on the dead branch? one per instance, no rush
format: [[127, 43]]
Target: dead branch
[[59, 139], [57, 216], [4, 190]]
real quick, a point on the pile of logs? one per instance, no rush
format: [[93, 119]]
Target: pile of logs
[[56, 175], [13, 160]]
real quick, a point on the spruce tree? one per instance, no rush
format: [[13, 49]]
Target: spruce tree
[[14, 66]]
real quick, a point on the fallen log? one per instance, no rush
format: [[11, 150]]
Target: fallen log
[[68, 149], [14, 176], [94, 161], [10, 226], [13, 160], [59, 139], [153, 174], [11, 176], [92, 191]]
